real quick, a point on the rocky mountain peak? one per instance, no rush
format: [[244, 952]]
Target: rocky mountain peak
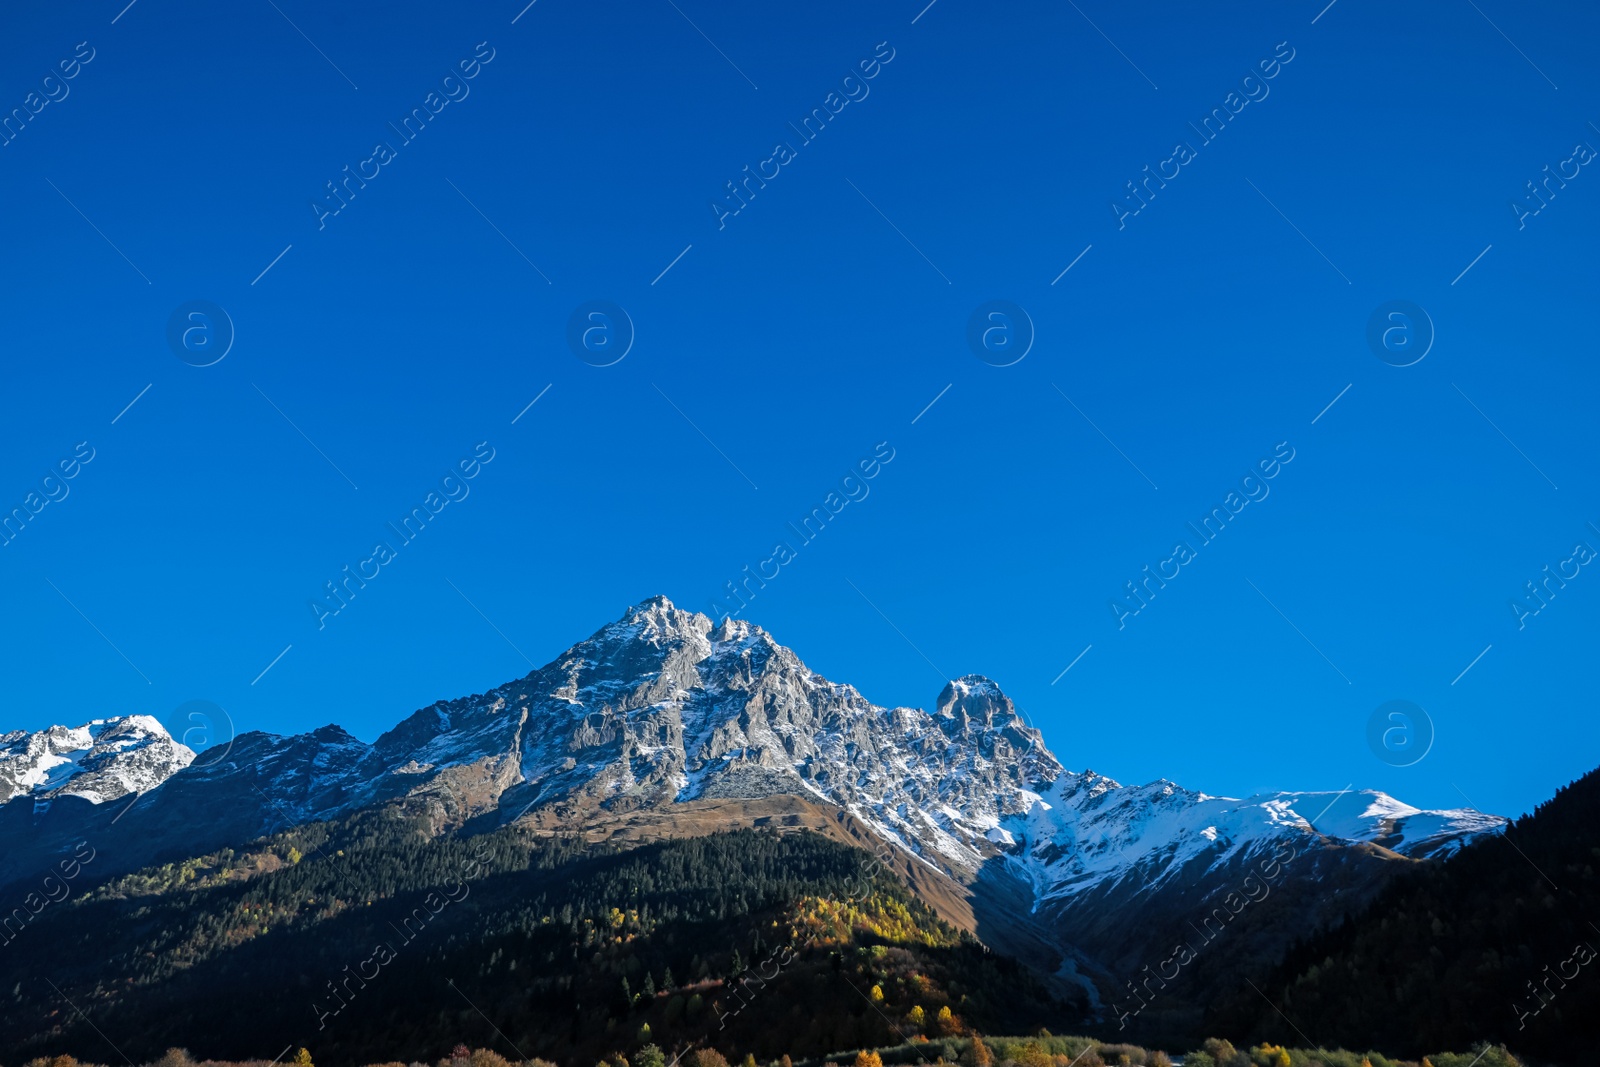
[[973, 710], [656, 620], [975, 702]]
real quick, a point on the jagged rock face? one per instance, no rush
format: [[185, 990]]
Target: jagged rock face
[[100, 761], [665, 706]]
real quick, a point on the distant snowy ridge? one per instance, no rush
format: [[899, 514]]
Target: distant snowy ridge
[[100, 761], [1087, 832]]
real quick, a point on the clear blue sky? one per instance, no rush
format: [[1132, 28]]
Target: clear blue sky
[[778, 350]]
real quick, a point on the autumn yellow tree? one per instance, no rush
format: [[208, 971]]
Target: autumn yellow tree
[[1032, 1055], [1269, 1055], [868, 1059]]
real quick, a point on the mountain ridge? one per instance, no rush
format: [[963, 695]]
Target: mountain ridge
[[657, 758], [664, 706]]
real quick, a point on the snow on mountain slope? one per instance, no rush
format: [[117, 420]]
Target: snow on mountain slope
[[1378, 818], [100, 761], [1086, 832]]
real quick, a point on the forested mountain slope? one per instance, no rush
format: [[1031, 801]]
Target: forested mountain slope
[[367, 939], [1499, 943]]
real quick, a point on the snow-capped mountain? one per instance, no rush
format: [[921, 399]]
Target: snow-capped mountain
[[664, 707], [100, 761]]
